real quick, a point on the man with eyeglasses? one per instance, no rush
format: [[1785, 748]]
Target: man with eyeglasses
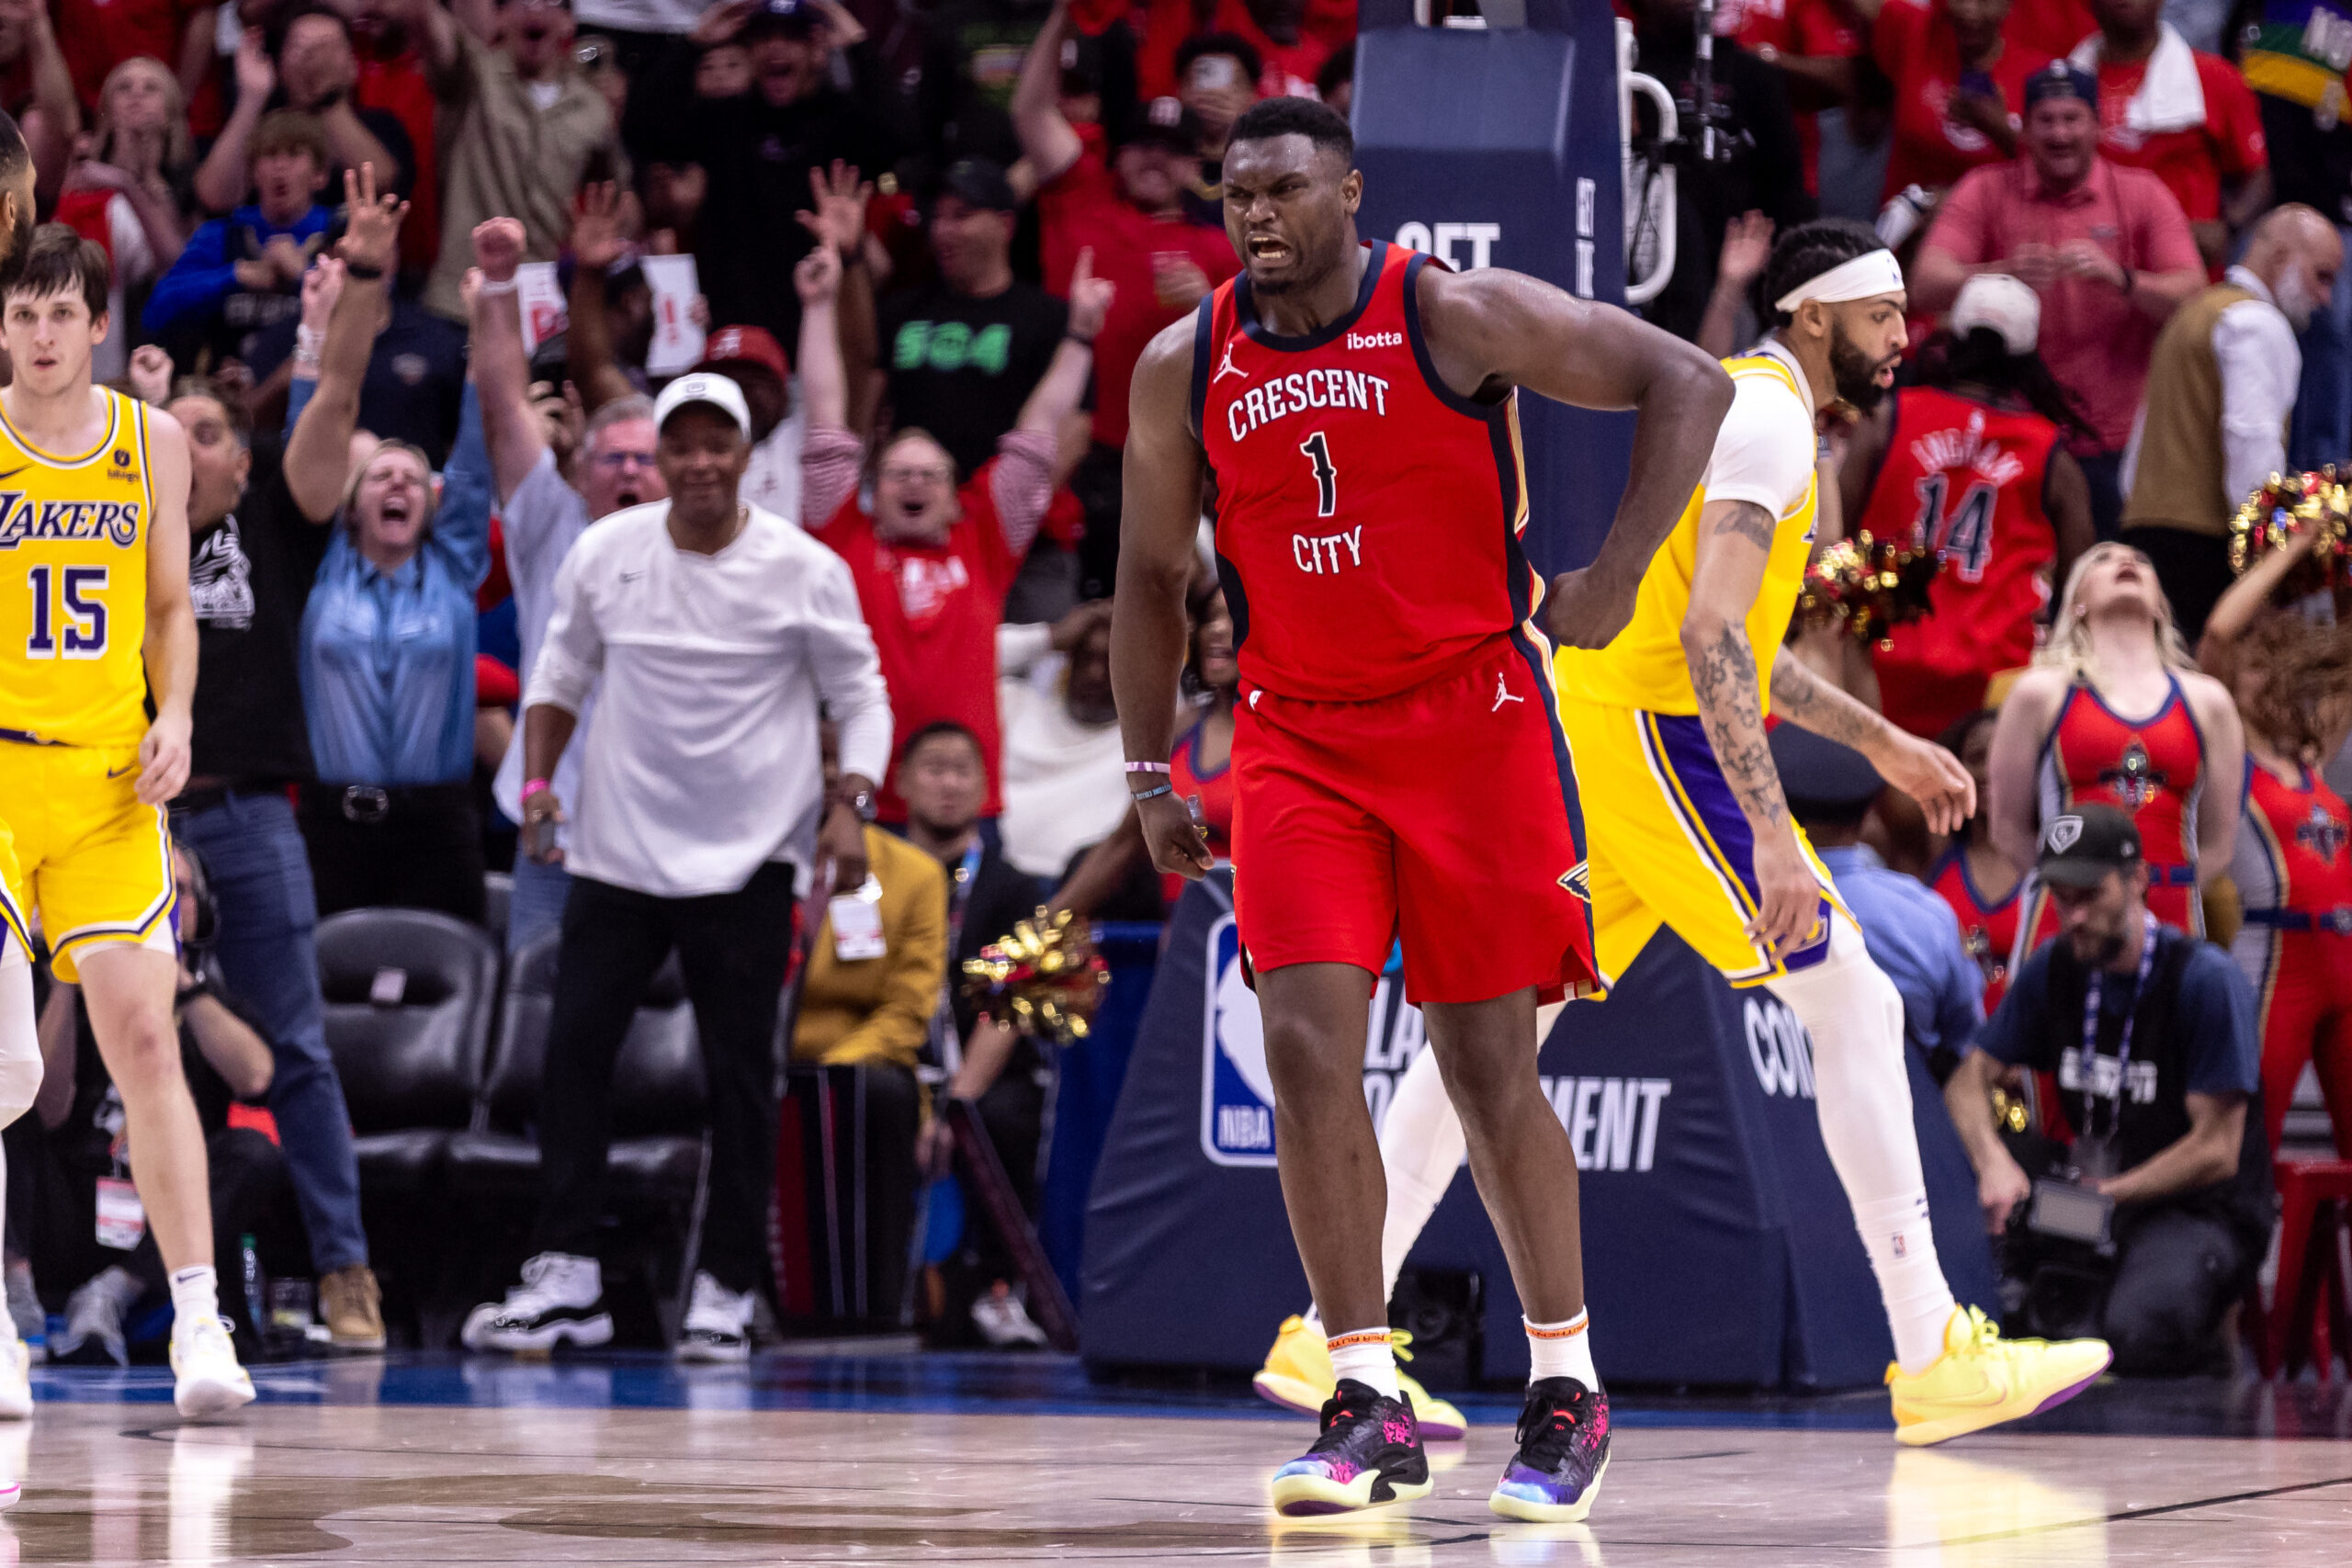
[[542, 515], [932, 561]]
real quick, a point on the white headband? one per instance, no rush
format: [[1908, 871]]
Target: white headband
[[1866, 276]]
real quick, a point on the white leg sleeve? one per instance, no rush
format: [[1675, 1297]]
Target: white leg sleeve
[[19, 1042], [1863, 1096]]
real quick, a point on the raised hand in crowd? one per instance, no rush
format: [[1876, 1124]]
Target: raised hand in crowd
[[498, 248], [722, 22], [597, 240], [818, 277], [841, 198], [256, 73], [150, 373], [562, 417], [370, 246], [1090, 297]]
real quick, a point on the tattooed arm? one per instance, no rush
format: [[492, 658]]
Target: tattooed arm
[[1920, 769], [1735, 543]]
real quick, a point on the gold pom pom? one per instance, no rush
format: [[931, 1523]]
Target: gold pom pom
[[1045, 978]]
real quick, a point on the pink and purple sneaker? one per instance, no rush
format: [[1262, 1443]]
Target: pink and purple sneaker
[[1368, 1456], [1563, 1454]]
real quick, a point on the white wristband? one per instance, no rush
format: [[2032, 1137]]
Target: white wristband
[[488, 289]]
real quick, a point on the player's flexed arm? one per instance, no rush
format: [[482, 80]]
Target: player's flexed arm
[[170, 643], [1160, 517], [1491, 328]]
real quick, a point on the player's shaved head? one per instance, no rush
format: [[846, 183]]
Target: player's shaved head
[[15, 201]]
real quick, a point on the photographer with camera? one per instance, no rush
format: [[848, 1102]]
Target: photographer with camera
[[2153, 1215]]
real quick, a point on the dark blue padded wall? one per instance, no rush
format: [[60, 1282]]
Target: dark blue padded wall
[[1498, 148]]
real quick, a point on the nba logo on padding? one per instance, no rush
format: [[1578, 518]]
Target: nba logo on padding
[[1237, 1091]]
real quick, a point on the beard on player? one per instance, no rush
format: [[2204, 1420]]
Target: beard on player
[[1858, 375]]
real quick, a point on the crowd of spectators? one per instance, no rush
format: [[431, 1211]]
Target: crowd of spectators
[[414, 274]]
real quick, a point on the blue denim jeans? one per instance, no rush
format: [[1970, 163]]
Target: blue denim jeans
[[261, 879], [535, 909], [2321, 429]]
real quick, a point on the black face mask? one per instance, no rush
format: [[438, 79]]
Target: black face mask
[[1856, 374]]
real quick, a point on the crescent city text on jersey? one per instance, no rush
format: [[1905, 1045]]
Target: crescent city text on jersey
[[21, 520], [1282, 396]]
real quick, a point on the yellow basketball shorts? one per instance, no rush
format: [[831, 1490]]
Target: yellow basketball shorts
[[1668, 845], [92, 860]]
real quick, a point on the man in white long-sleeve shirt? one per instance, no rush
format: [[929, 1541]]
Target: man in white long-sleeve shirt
[[2221, 386], [713, 631]]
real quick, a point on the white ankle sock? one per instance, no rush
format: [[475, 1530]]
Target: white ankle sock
[[1561, 1349], [196, 1296], [1910, 1280], [1364, 1355]]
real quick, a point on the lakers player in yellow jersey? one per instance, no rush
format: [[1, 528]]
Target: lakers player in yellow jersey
[[96, 628], [1688, 827]]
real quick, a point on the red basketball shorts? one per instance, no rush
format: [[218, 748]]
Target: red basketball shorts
[[1445, 816]]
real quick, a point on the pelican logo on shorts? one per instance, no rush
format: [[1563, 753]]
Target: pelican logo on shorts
[[1237, 1089], [2135, 780], [1577, 879], [2064, 831]]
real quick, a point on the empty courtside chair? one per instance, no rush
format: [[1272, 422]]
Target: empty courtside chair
[[410, 996], [658, 1112]]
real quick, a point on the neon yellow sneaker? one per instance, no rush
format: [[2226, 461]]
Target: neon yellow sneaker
[[1983, 1380], [1298, 1376]]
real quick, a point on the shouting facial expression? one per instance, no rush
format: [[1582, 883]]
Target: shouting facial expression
[[1290, 211]]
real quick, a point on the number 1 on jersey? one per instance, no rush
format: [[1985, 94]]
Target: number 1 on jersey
[[1327, 477]]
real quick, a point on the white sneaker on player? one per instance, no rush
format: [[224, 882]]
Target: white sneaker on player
[[204, 1361], [15, 1380], [719, 1324]]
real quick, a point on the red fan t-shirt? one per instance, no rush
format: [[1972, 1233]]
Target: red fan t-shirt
[[933, 610], [1083, 207]]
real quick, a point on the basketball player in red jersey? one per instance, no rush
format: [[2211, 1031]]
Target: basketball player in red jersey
[[1971, 876], [1970, 463], [2113, 712], [1397, 758], [2292, 679]]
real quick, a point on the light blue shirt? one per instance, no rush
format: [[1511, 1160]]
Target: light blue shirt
[[1913, 936], [388, 660]]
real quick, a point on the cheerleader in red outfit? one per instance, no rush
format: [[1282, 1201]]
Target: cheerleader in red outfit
[[1973, 877], [2115, 712], [2293, 863]]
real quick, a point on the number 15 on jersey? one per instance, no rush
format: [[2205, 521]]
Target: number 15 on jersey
[[68, 619]]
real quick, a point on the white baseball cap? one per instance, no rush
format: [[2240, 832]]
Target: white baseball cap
[[1997, 301], [703, 387]]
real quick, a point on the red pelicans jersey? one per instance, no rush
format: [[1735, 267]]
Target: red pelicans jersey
[[1989, 929], [2295, 851], [2151, 769], [1965, 478], [1367, 517], [1393, 684]]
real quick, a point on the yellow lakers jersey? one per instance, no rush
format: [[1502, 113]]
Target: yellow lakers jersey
[[73, 585], [1645, 667]]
